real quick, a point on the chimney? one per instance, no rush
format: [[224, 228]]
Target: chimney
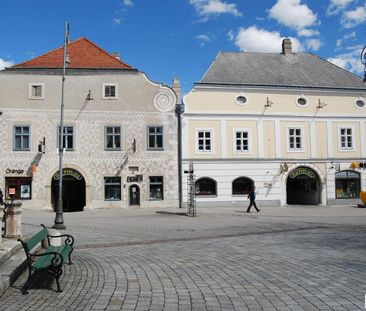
[[286, 46], [116, 55]]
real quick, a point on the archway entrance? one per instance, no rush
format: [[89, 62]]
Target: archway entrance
[[134, 195], [73, 190], [303, 187]]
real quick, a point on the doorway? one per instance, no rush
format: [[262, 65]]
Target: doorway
[[73, 190], [303, 187], [134, 195]]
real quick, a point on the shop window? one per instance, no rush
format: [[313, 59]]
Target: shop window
[[347, 185], [112, 188], [68, 138], [155, 136], [242, 186], [22, 186], [206, 186], [21, 138], [112, 137], [156, 188]]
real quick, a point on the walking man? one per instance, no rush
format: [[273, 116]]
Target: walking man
[[251, 197]]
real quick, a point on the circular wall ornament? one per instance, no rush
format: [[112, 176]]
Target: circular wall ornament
[[241, 99], [164, 101], [301, 101], [360, 103]]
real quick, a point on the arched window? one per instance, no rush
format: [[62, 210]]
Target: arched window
[[347, 185], [242, 186], [205, 186]]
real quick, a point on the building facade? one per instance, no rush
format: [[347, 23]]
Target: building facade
[[293, 125], [120, 132]]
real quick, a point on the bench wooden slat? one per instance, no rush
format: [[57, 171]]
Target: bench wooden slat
[[35, 239]]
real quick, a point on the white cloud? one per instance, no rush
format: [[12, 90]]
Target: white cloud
[[293, 14], [203, 39], [128, 2], [313, 44], [205, 8], [253, 39], [355, 17], [230, 35], [4, 63], [336, 6], [117, 20], [308, 32], [349, 61]]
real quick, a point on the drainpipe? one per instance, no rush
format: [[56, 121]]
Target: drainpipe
[[179, 109]]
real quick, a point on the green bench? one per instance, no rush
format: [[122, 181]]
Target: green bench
[[51, 260]]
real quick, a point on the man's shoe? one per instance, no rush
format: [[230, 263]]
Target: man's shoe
[[248, 212], [258, 210]]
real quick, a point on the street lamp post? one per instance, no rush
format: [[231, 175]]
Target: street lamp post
[[59, 219]]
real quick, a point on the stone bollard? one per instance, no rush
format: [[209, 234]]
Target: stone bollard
[[14, 221]]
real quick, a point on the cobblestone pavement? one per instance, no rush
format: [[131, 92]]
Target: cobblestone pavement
[[223, 259]]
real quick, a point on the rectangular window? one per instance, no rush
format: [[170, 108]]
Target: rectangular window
[[346, 139], [68, 138], [295, 139], [36, 91], [21, 137], [112, 137], [21, 185], [156, 188], [155, 137], [112, 188], [241, 141], [204, 143], [109, 91]]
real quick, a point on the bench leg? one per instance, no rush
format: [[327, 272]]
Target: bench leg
[[26, 285], [70, 262], [59, 272]]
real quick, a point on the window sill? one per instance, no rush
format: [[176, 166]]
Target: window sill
[[112, 200]]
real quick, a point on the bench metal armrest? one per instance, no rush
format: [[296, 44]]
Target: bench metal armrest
[[53, 260], [69, 238]]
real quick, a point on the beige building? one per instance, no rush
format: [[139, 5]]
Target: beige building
[[292, 124], [120, 132]]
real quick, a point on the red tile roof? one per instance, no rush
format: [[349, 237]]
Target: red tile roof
[[83, 54]]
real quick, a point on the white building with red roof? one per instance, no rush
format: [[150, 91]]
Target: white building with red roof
[[120, 132]]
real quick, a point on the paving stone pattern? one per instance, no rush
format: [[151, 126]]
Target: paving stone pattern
[[220, 260]]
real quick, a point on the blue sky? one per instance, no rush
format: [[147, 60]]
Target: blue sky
[[180, 38]]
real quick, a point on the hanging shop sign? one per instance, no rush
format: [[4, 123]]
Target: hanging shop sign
[[136, 178], [302, 171], [68, 172], [14, 171]]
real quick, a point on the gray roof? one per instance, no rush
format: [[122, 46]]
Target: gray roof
[[279, 70]]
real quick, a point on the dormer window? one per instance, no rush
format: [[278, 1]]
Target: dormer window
[[36, 91], [110, 91]]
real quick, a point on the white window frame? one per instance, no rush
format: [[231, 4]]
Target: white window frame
[[104, 85], [155, 136], [212, 138], [106, 148], [295, 149], [22, 135], [241, 130], [30, 89], [346, 127], [73, 137]]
